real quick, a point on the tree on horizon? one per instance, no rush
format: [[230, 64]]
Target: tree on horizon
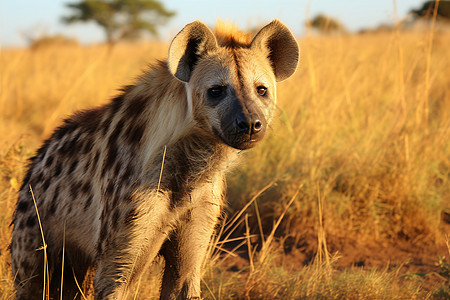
[[120, 19], [427, 9], [326, 24]]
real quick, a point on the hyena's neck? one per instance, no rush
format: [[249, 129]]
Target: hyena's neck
[[162, 118], [157, 108], [195, 159]]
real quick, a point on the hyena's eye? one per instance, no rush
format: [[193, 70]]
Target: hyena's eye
[[217, 91], [262, 90]]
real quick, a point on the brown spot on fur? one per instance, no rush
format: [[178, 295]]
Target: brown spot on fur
[[75, 189], [110, 157], [88, 202], [129, 171], [49, 162], [73, 166], [22, 206], [115, 219], [88, 164], [86, 188], [115, 201], [58, 170], [96, 159], [46, 184], [117, 104], [70, 148], [134, 133], [38, 178], [26, 265], [105, 126], [135, 108], [103, 232], [21, 225], [54, 201], [131, 216], [31, 242], [64, 129], [116, 132], [110, 189], [89, 119], [117, 169], [87, 146], [31, 221]]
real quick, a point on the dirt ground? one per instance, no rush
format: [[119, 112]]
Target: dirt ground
[[407, 257]]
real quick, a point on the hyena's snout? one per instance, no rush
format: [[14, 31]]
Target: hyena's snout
[[245, 126]]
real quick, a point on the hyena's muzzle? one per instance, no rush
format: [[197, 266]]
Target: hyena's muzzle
[[244, 124]]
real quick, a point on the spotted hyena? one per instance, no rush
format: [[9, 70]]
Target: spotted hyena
[[143, 175]]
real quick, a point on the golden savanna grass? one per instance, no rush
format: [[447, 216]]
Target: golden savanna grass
[[347, 197]]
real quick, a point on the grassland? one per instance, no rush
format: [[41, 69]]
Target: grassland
[[347, 197]]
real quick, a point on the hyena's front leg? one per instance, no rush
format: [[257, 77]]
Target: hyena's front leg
[[125, 255], [185, 252]]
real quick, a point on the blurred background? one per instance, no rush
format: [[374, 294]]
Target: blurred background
[[22, 20]]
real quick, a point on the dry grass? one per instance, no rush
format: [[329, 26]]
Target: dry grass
[[358, 162]]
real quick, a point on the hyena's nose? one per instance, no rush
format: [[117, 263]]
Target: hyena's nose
[[252, 126]]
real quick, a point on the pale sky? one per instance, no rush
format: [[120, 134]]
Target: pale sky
[[35, 17]]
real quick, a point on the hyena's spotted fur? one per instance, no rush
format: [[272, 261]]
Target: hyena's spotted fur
[[97, 180]]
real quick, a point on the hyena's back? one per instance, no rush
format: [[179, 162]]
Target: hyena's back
[[64, 177]]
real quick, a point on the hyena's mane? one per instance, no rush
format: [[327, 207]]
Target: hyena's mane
[[230, 36]]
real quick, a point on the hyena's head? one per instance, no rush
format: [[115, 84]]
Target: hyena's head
[[231, 81]]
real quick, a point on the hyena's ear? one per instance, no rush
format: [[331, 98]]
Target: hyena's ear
[[280, 46], [192, 42]]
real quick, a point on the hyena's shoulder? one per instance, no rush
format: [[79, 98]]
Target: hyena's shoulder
[[76, 134]]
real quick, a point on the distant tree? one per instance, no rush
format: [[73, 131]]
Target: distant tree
[[427, 9], [120, 19], [326, 24]]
